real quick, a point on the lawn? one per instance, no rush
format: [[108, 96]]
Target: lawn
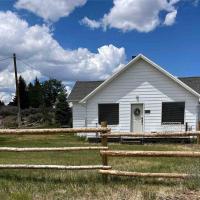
[[52, 184]]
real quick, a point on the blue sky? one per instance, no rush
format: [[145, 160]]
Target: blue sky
[[177, 48], [64, 46]]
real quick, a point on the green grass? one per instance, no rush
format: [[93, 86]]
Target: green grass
[[52, 184]]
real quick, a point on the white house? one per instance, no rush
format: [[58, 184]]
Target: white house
[[140, 97]]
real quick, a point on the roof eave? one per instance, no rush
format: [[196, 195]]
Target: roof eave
[[172, 77], [132, 62]]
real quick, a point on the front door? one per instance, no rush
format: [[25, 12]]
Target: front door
[[137, 118]]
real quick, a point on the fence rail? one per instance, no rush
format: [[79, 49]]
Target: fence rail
[[58, 167], [16, 149], [52, 131], [104, 168], [151, 154], [58, 149], [150, 175], [106, 153], [157, 134]]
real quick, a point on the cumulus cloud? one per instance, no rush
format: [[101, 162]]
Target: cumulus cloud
[[140, 15], [50, 10], [170, 18], [6, 97], [43, 56], [93, 24]]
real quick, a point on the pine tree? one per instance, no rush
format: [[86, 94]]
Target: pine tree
[[62, 111], [23, 94], [35, 94], [1, 103]]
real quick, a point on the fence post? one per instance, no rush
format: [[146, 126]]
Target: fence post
[[104, 143], [198, 139], [198, 136]]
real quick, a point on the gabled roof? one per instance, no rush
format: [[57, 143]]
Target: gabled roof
[[140, 56], [82, 88]]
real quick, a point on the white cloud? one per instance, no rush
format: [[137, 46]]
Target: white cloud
[[6, 97], [195, 2], [93, 24], [140, 15], [36, 46], [50, 10], [170, 18]]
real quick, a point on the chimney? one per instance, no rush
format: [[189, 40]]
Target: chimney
[[133, 57]]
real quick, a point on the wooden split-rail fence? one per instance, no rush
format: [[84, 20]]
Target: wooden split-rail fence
[[102, 130], [123, 153], [104, 168]]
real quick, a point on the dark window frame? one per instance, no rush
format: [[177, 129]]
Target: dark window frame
[[111, 120], [182, 121]]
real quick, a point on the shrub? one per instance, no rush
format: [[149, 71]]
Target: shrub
[[29, 111], [8, 110], [34, 117], [10, 122]]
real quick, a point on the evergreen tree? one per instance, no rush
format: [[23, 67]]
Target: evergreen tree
[[62, 110], [30, 94], [23, 94], [51, 89], [35, 94], [1, 103]]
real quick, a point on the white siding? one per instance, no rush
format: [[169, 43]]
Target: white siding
[[152, 87], [80, 118], [79, 115]]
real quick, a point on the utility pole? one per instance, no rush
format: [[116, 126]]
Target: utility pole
[[17, 92]]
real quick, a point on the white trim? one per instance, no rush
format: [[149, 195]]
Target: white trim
[[140, 56]]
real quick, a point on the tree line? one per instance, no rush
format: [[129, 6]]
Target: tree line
[[46, 95]]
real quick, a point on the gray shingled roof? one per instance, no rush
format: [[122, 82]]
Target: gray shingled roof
[[193, 82], [82, 88]]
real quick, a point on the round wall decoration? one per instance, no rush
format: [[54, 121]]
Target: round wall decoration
[[137, 112]]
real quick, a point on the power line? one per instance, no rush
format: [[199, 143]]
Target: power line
[[5, 59], [25, 63], [29, 65]]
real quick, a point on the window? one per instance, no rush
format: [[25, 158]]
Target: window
[[109, 113], [173, 112]]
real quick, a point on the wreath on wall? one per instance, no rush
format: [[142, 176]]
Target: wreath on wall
[[137, 112]]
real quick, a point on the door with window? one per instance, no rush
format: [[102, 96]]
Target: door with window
[[137, 118]]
